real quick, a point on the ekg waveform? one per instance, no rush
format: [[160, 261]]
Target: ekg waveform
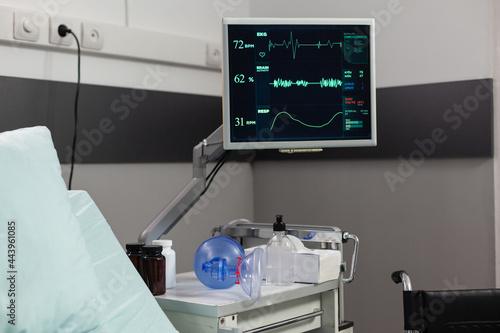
[[301, 122], [323, 83], [294, 44]]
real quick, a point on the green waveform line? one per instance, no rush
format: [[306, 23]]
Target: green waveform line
[[301, 122], [294, 44], [323, 83]]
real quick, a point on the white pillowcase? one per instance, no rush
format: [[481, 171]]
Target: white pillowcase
[[53, 285]]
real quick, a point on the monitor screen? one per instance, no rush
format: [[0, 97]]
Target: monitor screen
[[298, 83]]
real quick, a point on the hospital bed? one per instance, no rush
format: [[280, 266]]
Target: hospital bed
[[67, 271]]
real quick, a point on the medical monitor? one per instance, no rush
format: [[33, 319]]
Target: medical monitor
[[298, 83]]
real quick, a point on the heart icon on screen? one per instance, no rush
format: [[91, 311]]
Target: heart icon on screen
[[262, 54]]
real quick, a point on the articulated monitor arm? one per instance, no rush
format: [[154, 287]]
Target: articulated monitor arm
[[210, 149]]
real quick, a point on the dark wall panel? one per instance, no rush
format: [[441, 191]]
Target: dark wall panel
[[441, 120], [123, 125], [116, 125]]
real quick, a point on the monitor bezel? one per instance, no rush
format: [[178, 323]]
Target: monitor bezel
[[306, 144]]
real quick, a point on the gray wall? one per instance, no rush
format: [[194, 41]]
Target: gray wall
[[437, 225], [131, 195], [496, 76]]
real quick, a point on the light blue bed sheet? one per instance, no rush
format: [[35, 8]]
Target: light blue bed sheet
[[126, 301]]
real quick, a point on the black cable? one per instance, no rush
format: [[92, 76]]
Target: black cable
[[215, 170], [63, 31], [216, 165]]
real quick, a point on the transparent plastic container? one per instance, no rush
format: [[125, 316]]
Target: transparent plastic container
[[279, 256]]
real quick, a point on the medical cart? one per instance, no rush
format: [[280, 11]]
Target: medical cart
[[302, 307]]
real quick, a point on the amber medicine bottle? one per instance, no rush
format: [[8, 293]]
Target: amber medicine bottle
[[134, 252], [153, 269]]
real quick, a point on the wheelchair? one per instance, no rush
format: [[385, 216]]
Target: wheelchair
[[449, 311]]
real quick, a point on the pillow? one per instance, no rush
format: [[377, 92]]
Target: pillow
[[124, 298], [51, 285]]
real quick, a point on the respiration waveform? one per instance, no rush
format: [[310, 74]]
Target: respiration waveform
[[294, 44], [323, 83], [301, 122]]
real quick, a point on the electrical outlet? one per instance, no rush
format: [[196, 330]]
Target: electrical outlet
[[54, 37], [214, 55], [92, 36], [25, 26]]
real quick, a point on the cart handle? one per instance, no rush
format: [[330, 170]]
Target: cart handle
[[345, 237]]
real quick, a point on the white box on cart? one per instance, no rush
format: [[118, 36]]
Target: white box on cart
[[316, 266], [312, 266]]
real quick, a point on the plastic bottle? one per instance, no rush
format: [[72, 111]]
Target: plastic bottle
[[153, 269], [279, 256], [134, 252], [169, 255]]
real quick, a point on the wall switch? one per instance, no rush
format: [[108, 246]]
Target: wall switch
[[214, 55], [92, 36], [25, 26]]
